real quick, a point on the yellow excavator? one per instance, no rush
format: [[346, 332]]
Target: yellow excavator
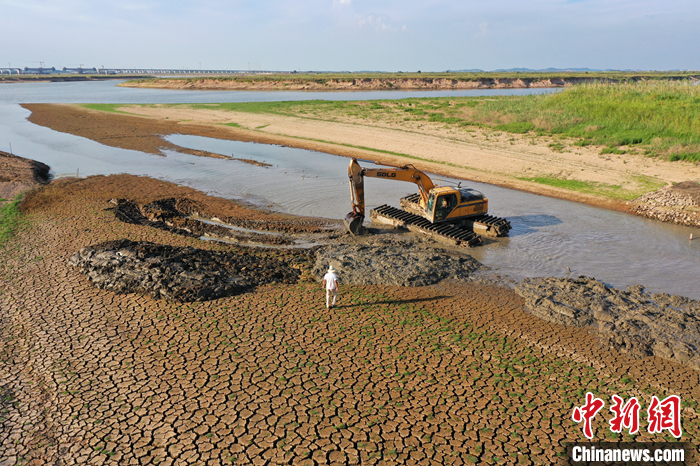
[[447, 213]]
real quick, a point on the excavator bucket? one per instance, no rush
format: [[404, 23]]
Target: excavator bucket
[[353, 222]]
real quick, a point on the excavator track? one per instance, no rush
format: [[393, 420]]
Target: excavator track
[[486, 225], [444, 232]]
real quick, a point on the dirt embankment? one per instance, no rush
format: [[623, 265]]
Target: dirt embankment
[[18, 174], [357, 84], [679, 204]]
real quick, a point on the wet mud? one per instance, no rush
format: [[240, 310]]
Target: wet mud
[[631, 321], [175, 273], [396, 265]]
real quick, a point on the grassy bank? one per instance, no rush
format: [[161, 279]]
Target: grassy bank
[[658, 118]]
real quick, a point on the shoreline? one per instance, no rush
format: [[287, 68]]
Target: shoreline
[[364, 83], [141, 132]]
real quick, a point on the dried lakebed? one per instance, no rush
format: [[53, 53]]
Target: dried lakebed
[[442, 374]]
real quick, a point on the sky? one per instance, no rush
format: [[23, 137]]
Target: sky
[[351, 35]]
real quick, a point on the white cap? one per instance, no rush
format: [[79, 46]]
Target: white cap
[[331, 269]]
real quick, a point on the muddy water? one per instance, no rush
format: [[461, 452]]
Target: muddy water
[[548, 235]]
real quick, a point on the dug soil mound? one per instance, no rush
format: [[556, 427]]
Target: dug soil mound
[[396, 265], [171, 215], [678, 203], [176, 273], [18, 174], [631, 321]]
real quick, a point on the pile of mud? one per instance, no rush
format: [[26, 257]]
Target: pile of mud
[[631, 321], [177, 274], [396, 265], [678, 204], [172, 215], [18, 174]]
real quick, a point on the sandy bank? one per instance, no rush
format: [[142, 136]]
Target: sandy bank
[[480, 155]]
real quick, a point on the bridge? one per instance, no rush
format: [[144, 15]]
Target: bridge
[[124, 71]]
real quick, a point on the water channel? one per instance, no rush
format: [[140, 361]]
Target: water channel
[[548, 235]]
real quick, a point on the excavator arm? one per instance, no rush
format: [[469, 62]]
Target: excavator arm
[[356, 174]]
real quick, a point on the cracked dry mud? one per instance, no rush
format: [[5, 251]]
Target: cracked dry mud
[[456, 374]]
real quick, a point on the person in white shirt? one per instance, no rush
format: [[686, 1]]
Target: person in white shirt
[[330, 282]]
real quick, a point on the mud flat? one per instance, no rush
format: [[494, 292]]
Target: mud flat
[[176, 274], [632, 321], [396, 265], [451, 373]]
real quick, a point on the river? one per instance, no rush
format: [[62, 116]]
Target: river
[[548, 234]]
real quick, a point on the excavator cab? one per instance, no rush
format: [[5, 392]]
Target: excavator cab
[[443, 205], [447, 203]]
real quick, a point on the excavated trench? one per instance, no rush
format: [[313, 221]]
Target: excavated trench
[[173, 215]]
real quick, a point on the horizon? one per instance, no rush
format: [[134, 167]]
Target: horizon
[[352, 34], [75, 70]]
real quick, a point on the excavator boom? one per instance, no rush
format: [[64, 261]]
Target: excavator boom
[[357, 174]]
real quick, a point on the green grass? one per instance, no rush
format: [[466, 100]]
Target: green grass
[[10, 220], [519, 127], [644, 185]]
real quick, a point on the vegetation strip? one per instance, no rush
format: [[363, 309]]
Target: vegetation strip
[[449, 76], [10, 220]]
